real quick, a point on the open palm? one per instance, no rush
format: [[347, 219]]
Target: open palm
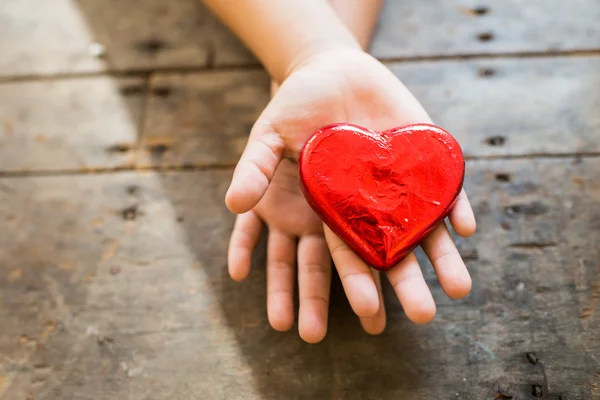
[[342, 86]]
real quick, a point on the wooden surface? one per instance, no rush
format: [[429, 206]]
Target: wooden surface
[[54, 35], [78, 123], [412, 28], [113, 282]]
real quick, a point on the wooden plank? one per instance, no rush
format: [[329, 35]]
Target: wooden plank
[[525, 107], [132, 299], [203, 118], [143, 307], [82, 123], [54, 36], [440, 28], [159, 34], [512, 106], [43, 38], [148, 34], [531, 215], [190, 114]]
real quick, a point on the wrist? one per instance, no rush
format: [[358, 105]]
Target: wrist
[[283, 34], [359, 16], [318, 50]]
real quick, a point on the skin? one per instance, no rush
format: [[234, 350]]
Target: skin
[[265, 188]]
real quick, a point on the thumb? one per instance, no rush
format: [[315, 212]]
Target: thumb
[[256, 168]]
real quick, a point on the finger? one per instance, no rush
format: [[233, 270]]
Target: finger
[[255, 169], [376, 324], [314, 283], [245, 235], [462, 217], [447, 262], [412, 291], [355, 275], [281, 257]]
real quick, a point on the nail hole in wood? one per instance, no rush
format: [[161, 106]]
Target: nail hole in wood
[[162, 91], [480, 10], [150, 46], [485, 36], [532, 358], [119, 148], [486, 72], [502, 177], [158, 150], [529, 209], [496, 141], [130, 213]]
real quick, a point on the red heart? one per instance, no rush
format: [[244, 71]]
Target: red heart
[[381, 192]]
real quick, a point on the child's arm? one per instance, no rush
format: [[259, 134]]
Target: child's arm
[[326, 77], [359, 16], [284, 195], [284, 33]]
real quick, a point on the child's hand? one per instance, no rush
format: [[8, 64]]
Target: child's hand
[[295, 238], [347, 85], [296, 242]]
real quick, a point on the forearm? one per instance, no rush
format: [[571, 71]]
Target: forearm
[[359, 16], [283, 33]]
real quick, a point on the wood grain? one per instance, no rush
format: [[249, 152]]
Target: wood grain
[[524, 107], [80, 124], [114, 285], [413, 28], [54, 36], [127, 303], [512, 107], [201, 118]]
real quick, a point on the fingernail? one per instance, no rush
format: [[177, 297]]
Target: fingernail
[[369, 298]]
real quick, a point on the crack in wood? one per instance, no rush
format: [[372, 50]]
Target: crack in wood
[[142, 71], [532, 245]]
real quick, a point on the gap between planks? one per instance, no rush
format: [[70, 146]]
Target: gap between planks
[[147, 72], [231, 166]]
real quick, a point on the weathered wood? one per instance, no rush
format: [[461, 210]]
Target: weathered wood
[[81, 123], [54, 36], [512, 106], [151, 283], [132, 299], [199, 119], [157, 34], [434, 28], [532, 106], [204, 118], [114, 286], [532, 217], [42, 37]]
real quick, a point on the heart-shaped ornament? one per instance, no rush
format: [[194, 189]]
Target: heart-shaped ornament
[[381, 192]]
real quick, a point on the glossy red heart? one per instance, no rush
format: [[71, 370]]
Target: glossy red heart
[[381, 192]]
